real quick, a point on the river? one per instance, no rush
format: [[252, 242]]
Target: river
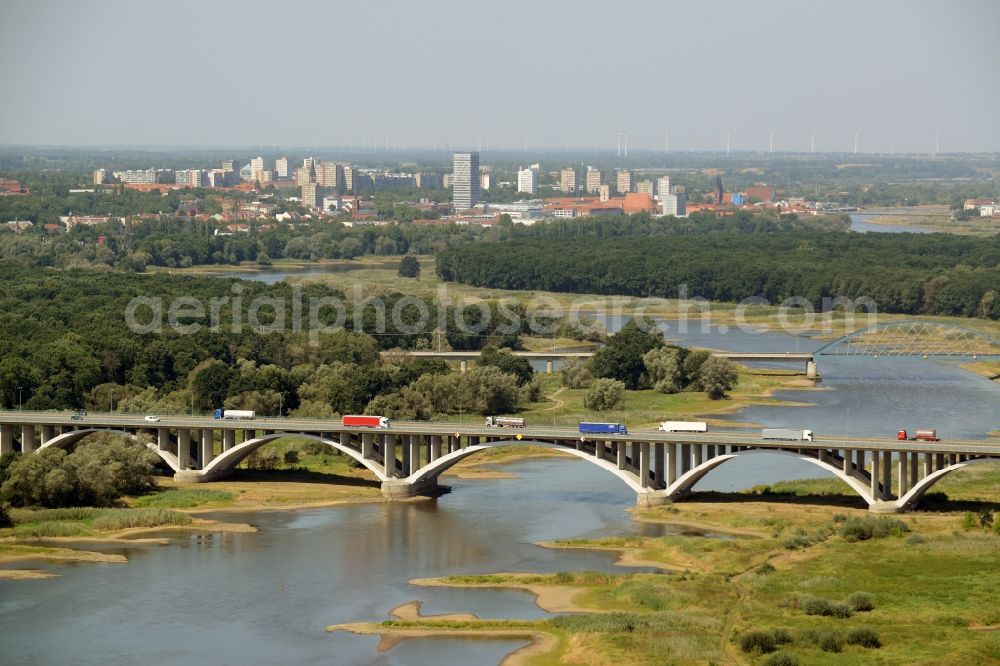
[[265, 598]]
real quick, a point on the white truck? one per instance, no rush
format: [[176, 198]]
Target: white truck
[[504, 422], [683, 426], [787, 434], [237, 414]]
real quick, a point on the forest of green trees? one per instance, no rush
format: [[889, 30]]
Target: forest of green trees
[[903, 273]]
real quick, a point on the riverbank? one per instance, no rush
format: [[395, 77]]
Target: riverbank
[[924, 575], [931, 218]]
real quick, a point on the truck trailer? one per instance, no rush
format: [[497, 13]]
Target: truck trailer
[[603, 428], [683, 426], [240, 414], [787, 434], [918, 436], [504, 422], [359, 421]]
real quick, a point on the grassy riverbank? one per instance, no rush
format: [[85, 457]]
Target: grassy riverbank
[[374, 279], [934, 218], [812, 571]]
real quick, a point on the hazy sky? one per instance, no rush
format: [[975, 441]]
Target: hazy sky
[[195, 72]]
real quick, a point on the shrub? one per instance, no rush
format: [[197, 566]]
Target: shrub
[[840, 609], [314, 448], [797, 541], [576, 374], [291, 457], [817, 606], [968, 520], [781, 636], [915, 539], [5, 520], [865, 637], [860, 602], [780, 659], [262, 460], [839, 518], [872, 527], [757, 641], [604, 394], [765, 568], [830, 642]]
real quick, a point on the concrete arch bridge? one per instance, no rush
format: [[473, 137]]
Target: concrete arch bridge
[[409, 458]]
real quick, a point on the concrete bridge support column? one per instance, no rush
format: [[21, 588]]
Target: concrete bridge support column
[[405, 456], [620, 451], [463, 366], [939, 461], [207, 447], [367, 446], [228, 439], [811, 370], [6, 438], [548, 367], [671, 464], [454, 443], [644, 464], [660, 464], [876, 476], [846, 463], [696, 455], [389, 455], [48, 432], [709, 452], [886, 468], [599, 450], [28, 439], [928, 464], [685, 458], [435, 448], [248, 435], [859, 460], [183, 448], [903, 472], [913, 470], [163, 438], [63, 429], [472, 441], [414, 457]]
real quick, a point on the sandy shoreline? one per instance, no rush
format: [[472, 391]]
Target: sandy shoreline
[[540, 642], [25, 574], [549, 598]]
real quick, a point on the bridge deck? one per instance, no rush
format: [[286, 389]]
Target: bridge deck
[[444, 428]]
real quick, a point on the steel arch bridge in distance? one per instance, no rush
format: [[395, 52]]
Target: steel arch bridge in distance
[[913, 338]]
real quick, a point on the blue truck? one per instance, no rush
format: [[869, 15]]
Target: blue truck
[[603, 429]]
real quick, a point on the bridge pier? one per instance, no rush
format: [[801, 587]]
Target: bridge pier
[[28, 439], [6, 438], [183, 448], [548, 367], [163, 439], [389, 455], [48, 432], [228, 439], [811, 370]]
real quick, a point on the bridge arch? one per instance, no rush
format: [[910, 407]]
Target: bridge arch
[[433, 470], [911, 498], [69, 439], [228, 460], [885, 338], [684, 484]]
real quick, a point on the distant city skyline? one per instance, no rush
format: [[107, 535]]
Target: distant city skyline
[[888, 77]]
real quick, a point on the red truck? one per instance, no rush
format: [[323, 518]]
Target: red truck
[[918, 436], [365, 421]]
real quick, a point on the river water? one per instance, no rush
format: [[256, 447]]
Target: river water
[[265, 598]]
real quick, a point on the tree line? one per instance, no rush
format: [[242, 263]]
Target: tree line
[[934, 274]]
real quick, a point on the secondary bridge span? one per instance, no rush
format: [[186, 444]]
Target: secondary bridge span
[[409, 457]]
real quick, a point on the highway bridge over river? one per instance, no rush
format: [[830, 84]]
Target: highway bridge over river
[[410, 456]]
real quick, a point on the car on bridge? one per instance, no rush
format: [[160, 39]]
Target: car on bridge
[[587, 428], [152, 419], [918, 436], [78, 415]]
